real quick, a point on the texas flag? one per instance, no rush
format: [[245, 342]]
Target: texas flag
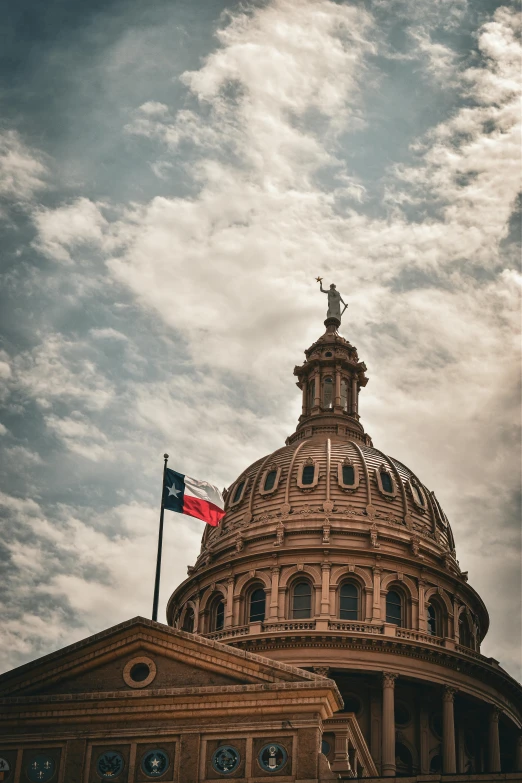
[[195, 498]]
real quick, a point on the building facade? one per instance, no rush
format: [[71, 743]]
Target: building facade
[[326, 632], [337, 558]]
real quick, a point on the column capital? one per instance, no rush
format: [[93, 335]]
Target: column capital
[[276, 570], [325, 566], [448, 693], [388, 679], [323, 671], [495, 714]]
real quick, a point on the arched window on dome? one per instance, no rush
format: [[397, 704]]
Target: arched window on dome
[[188, 620], [417, 494], [328, 392], [394, 608], [256, 605], [349, 602], [238, 492], [302, 600], [344, 395], [433, 621], [385, 481], [465, 635], [217, 614]]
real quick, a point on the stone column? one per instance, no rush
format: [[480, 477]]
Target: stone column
[[305, 398], [424, 741], [449, 762], [325, 591], [229, 606], [337, 400], [354, 395], [318, 390], [518, 755], [341, 762], [422, 606], [494, 741], [274, 593], [388, 725], [376, 609]]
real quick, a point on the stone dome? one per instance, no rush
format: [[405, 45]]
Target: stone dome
[[354, 488]]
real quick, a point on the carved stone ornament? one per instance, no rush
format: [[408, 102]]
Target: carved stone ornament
[[415, 545], [328, 506], [448, 693], [326, 532], [370, 510], [322, 671], [374, 535], [388, 679], [280, 534], [239, 543]]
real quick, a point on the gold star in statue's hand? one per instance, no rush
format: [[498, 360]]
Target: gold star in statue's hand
[[319, 279]]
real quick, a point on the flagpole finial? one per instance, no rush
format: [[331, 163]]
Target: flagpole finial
[[165, 456]]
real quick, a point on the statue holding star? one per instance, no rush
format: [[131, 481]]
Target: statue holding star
[[334, 300]]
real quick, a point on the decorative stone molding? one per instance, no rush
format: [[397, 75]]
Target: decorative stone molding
[[374, 536], [326, 532], [280, 534], [322, 671], [388, 679], [448, 693]]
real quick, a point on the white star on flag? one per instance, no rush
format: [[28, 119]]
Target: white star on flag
[[173, 491]]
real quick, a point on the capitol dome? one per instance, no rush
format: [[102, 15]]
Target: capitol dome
[[334, 557]]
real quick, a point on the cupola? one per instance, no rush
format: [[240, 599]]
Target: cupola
[[330, 380]]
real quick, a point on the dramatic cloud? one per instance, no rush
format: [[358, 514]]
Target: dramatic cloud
[[172, 315], [22, 170]]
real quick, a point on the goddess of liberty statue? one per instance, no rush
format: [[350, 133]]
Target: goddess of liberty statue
[[334, 300]]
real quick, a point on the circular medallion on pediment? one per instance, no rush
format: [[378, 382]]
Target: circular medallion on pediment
[[41, 768], [110, 765], [139, 672], [155, 763], [226, 759], [272, 757]]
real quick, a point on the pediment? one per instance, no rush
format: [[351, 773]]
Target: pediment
[[140, 654]]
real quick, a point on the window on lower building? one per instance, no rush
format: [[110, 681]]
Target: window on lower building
[[302, 601], [188, 620], [394, 608], [257, 606], [349, 602]]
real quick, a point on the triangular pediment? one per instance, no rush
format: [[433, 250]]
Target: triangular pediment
[[141, 654]]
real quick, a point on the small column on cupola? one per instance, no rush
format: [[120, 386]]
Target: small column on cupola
[[330, 380]]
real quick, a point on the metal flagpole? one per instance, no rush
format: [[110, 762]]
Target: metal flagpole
[[160, 543]]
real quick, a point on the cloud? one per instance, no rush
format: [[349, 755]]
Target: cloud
[[22, 169], [66, 228], [68, 574], [220, 278]]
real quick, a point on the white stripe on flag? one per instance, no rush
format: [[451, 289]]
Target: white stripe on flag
[[204, 490]]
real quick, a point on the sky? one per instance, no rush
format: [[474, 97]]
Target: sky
[[173, 177]]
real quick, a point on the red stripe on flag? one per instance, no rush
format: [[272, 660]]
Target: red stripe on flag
[[202, 509]]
